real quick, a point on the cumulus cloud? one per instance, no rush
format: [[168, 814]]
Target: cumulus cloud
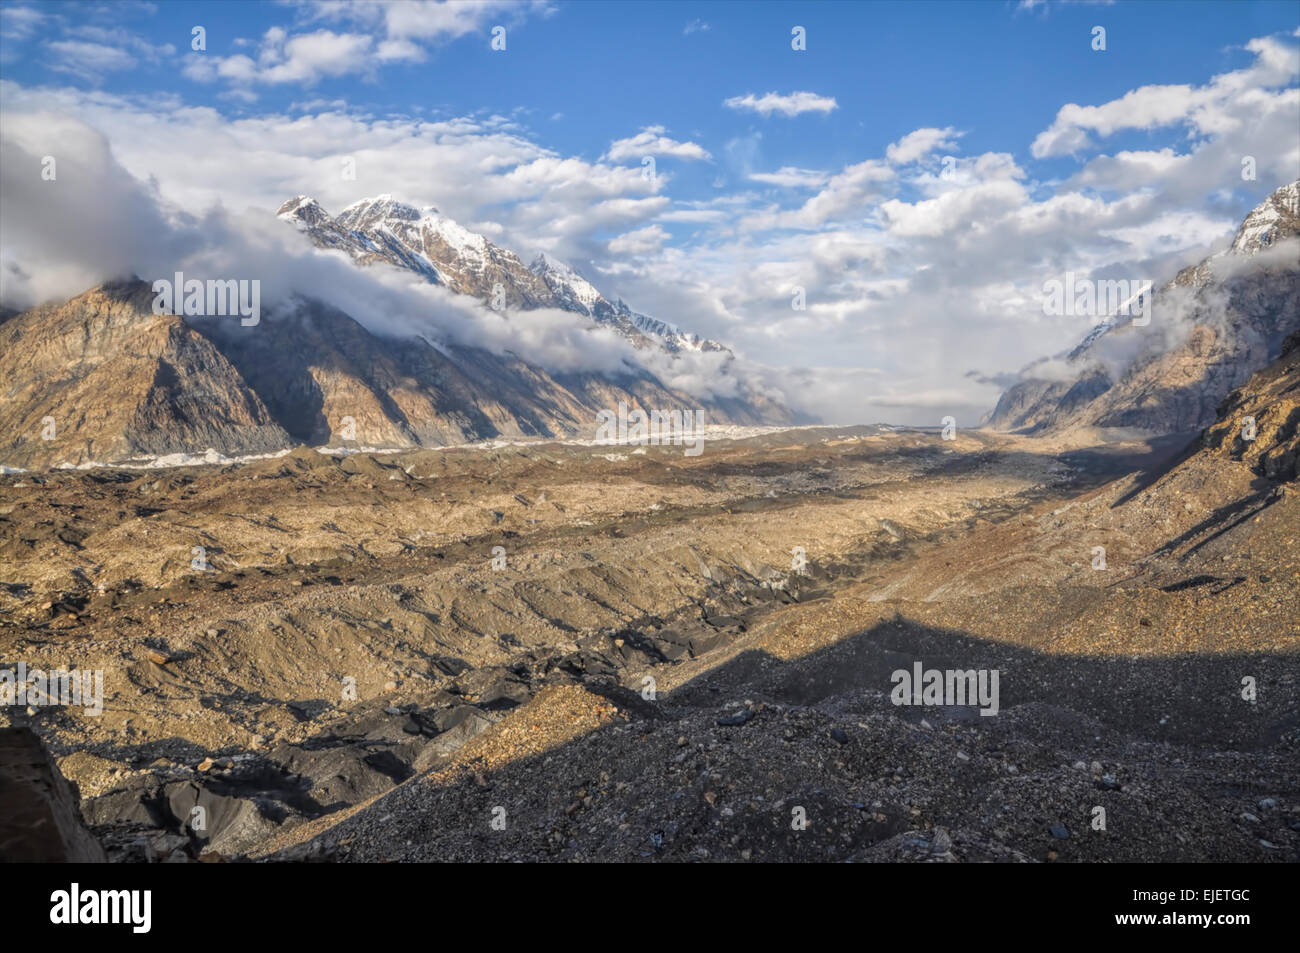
[[643, 241], [1223, 105], [847, 192], [651, 141], [379, 32], [914, 266], [477, 170], [95, 222], [789, 104], [305, 58], [920, 143]]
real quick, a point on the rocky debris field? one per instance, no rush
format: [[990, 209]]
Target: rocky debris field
[[610, 653]]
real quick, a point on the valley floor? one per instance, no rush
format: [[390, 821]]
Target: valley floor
[[333, 659]]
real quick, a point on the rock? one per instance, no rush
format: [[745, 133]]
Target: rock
[[742, 716], [942, 843], [839, 735], [1060, 831], [40, 814]]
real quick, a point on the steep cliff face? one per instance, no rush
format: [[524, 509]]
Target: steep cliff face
[[315, 367], [1210, 328], [121, 382], [102, 377], [1259, 423], [40, 812]]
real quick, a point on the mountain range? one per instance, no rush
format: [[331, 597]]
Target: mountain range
[[1210, 327], [102, 378], [427, 242]]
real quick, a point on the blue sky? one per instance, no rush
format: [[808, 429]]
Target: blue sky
[[1132, 153]]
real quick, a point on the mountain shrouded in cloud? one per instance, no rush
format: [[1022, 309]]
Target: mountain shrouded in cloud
[[1209, 329], [919, 233], [442, 251], [541, 431], [406, 349]]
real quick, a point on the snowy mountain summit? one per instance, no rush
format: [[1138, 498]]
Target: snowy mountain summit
[[436, 247]]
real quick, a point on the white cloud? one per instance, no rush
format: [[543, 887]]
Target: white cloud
[[651, 141], [20, 22], [846, 193], [792, 178], [790, 104], [474, 169], [88, 60], [380, 32], [953, 210], [914, 273], [643, 241], [426, 20], [305, 58], [1222, 105], [920, 143], [102, 224]]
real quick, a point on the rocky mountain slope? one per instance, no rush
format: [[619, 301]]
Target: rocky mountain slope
[[120, 382], [431, 244], [1210, 328], [102, 377]]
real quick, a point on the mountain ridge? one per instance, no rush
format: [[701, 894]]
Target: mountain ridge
[[442, 251], [1211, 326], [120, 382]]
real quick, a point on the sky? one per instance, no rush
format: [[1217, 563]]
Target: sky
[[917, 169]]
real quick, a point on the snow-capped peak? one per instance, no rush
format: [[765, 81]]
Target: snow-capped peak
[[1274, 219], [367, 212], [562, 278], [424, 240], [303, 208]]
